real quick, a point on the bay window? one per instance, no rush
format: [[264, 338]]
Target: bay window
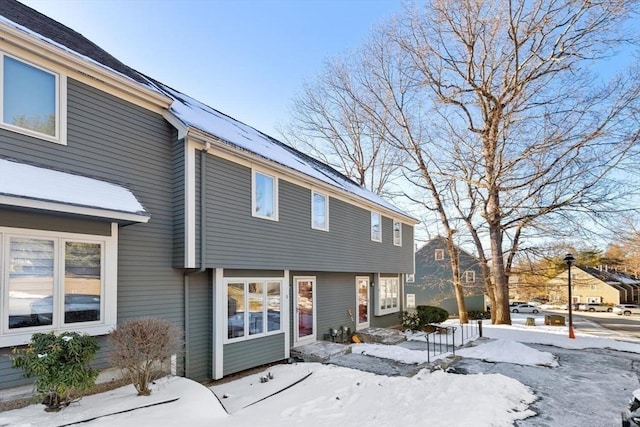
[[388, 296], [253, 308]]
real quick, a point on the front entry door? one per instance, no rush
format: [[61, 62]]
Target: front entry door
[[305, 310], [362, 301]]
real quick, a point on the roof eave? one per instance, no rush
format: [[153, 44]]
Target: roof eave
[[203, 137], [111, 78], [89, 211]]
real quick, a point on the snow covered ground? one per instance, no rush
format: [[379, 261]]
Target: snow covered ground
[[518, 372]]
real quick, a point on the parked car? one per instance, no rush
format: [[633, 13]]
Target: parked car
[[626, 309], [525, 308], [595, 307]]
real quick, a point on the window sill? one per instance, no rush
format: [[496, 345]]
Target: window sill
[[23, 337], [251, 337]]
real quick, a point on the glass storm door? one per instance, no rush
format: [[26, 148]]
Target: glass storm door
[[362, 301], [305, 310]]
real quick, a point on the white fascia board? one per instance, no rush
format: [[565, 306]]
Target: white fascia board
[[72, 209]]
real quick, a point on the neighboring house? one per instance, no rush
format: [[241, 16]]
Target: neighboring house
[[594, 285], [121, 197], [433, 284]]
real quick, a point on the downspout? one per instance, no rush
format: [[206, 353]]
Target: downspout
[[203, 252]]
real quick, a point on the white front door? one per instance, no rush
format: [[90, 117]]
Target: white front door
[[362, 302], [304, 304]]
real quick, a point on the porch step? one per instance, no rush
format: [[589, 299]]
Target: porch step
[[319, 351], [381, 336]]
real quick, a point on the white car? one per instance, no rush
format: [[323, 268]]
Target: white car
[[626, 309], [525, 308]]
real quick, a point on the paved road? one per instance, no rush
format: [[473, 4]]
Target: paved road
[[628, 326], [590, 387]]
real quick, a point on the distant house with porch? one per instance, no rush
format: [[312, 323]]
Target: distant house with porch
[[433, 284], [594, 285]]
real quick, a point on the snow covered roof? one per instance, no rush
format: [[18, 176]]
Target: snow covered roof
[[193, 113], [42, 27], [189, 111], [34, 187]]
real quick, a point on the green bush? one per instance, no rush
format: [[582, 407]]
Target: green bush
[[425, 315], [429, 314], [59, 364]]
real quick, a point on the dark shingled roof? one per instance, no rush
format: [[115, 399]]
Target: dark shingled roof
[[47, 27]]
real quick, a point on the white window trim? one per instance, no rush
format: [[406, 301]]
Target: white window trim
[[246, 280], [378, 311], [108, 298], [469, 273], [397, 242], [439, 252], [326, 211], [61, 104], [275, 195], [379, 239]]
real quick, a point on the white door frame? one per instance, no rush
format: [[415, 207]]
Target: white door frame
[[297, 340], [366, 324]]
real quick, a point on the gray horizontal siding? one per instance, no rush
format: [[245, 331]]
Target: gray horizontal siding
[[113, 140], [20, 218], [250, 353], [199, 333], [336, 297], [235, 239]]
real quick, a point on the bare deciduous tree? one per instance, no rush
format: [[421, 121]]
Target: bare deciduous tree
[[508, 133]]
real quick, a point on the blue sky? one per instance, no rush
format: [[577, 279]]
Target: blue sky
[[246, 58]]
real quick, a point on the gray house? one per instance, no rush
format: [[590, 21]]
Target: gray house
[[121, 197], [433, 283]]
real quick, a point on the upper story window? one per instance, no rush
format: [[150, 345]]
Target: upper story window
[[32, 100], [439, 255], [319, 211], [376, 227], [469, 276], [264, 196], [397, 233]]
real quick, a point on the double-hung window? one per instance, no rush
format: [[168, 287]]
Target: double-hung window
[[388, 294], [439, 254], [319, 211], [397, 233], [55, 281], [253, 308], [32, 100], [376, 227], [264, 202]]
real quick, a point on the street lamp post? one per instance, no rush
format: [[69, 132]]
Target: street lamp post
[[569, 259]]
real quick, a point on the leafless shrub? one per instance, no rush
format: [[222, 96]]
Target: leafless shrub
[[141, 346]]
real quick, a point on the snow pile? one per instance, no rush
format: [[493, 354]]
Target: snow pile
[[392, 352], [510, 352]]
